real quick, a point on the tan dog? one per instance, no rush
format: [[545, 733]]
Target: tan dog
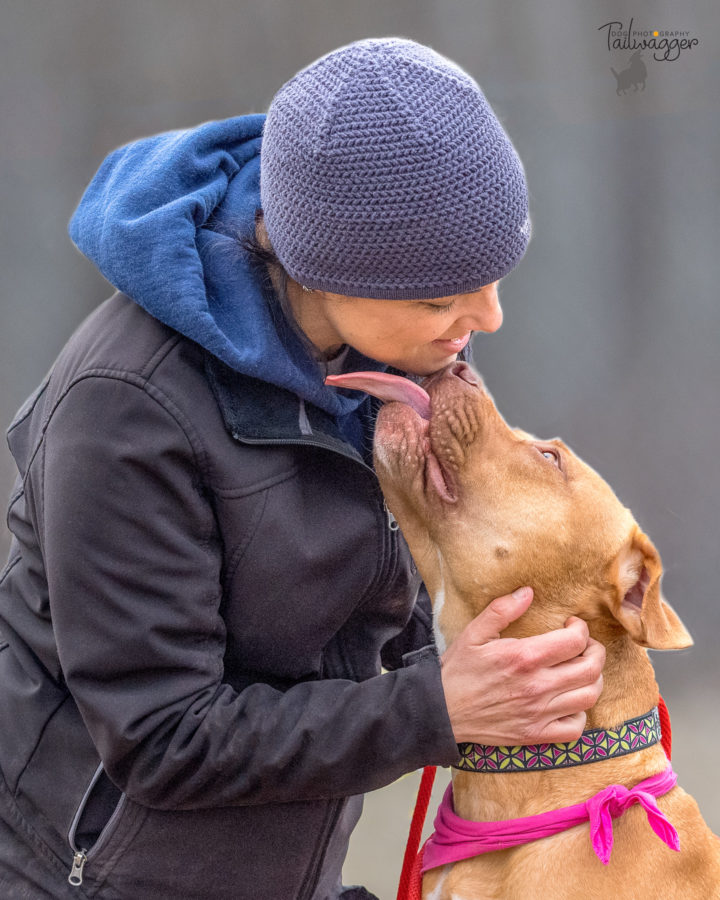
[[485, 509]]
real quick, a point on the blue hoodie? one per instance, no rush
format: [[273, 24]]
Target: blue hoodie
[[161, 221]]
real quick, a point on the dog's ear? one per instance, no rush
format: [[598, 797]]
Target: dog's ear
[[638, 604]]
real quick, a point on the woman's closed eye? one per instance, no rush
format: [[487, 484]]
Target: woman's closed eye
[[436, 307]]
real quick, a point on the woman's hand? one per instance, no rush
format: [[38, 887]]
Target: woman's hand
[[508, 691]]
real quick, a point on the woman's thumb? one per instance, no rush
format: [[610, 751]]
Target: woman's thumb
[[499, 613]]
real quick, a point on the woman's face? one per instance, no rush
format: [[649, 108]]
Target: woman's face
[[415, 336]]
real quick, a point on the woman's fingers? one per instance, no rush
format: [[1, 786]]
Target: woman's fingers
[[497, 615], [555, 646], [572, 702], [583, 671], [567, 728]]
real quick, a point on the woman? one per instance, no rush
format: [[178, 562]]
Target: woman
[[203, 578]]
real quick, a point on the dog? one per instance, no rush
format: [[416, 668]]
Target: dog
[[633, 76], [486, 508]]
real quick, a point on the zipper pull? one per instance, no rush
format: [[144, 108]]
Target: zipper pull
[[78, 864], [392, 522]]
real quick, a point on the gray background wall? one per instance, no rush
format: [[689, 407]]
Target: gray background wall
[[612, 320]]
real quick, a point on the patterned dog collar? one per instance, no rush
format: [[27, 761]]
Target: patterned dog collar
[[593, 746]]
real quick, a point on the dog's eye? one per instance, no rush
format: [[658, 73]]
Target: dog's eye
[[551, 455]]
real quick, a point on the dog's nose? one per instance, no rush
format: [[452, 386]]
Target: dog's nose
[[463, 370]]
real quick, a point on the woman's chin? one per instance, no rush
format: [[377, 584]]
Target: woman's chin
[[426, 366]]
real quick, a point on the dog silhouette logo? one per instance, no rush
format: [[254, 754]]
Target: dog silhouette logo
[[632, 77]]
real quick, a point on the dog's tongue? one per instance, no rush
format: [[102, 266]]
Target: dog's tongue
[[385, 387]]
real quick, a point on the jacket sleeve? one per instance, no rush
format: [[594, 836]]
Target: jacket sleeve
[[133, 563], [418, 633]]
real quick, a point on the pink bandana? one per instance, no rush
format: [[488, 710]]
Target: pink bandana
[[455, 838]]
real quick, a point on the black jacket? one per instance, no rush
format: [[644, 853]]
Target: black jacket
[[201, 579]]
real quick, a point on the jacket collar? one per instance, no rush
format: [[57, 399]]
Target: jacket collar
[[255, 411]]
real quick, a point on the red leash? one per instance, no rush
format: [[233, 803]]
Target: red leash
[[410, 887], [665, 728]]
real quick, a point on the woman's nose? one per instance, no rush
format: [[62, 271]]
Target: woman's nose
[[483, 312]]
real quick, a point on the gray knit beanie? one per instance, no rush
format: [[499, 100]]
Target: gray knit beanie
[[384, 173]]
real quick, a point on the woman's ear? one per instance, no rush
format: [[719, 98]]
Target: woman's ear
[[637, 603]]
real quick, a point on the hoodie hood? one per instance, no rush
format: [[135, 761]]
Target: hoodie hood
[[163, 221]]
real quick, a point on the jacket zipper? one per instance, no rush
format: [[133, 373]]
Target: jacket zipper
[[78, 864], [313, 876], [83, 855], [392, 521], [305, 442]]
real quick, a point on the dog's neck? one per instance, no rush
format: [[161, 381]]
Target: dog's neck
[[629, 690], [629, 686]]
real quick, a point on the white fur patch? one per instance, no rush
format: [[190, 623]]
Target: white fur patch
[[437, 892], [438, 603], [381, 453]]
